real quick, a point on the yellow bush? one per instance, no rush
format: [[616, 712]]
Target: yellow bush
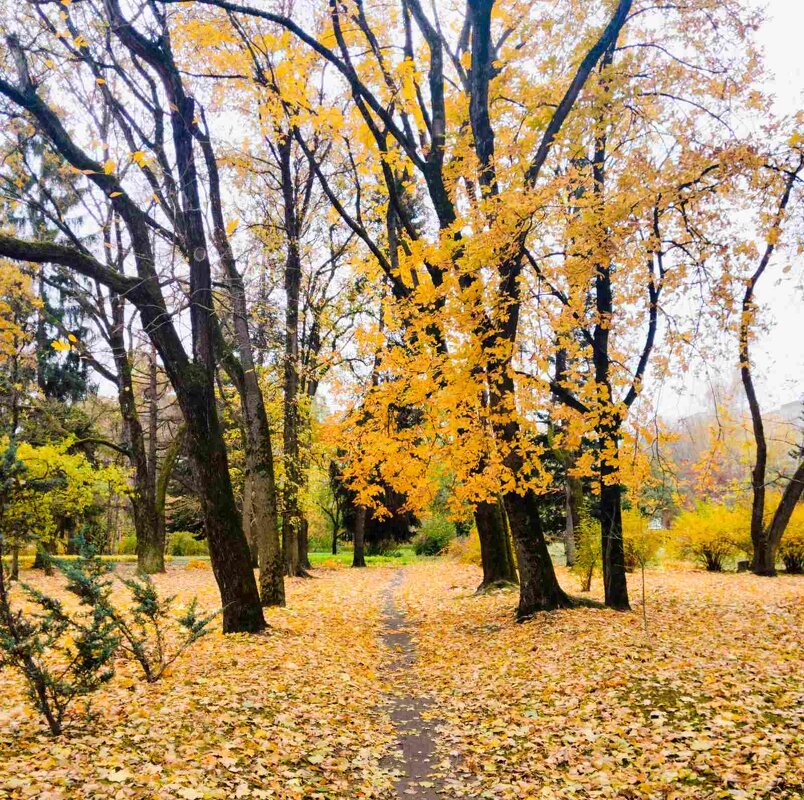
[[196, 563], [588, 556], [712, 533], [466, 549], [640, 544]]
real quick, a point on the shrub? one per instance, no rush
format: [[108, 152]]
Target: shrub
[[128, 545], [434, 536], [145, 629], [588, 554], [466, 549], [791, 548], [640, 544], [60, 655], [711, 533], [198, 564], [183, 543], [381, 547]]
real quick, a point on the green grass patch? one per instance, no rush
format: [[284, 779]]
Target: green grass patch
[[399, 557]]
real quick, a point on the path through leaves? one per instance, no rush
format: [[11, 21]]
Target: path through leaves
[[365, 663], [410, 708]]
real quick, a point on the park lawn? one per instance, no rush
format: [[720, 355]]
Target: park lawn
[[400, 557], [577, 704]]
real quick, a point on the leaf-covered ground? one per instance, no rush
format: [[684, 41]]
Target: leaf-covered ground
[[577, 704]]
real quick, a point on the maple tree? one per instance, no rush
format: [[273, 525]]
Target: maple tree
[[491, 230]]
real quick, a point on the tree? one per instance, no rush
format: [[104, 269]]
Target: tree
[[766, 538], [178, 200]]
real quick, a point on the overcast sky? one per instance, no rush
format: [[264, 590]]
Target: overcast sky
[[778, 355]]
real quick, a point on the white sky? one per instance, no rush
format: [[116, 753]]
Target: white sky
[[782, 350], [778, 354]]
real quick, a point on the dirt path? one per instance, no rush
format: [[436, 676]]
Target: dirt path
[[416, 759]]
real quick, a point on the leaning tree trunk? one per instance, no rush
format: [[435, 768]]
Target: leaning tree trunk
[[765, 556], [495, 547], [259, 450], [229, 553], [538, 586]]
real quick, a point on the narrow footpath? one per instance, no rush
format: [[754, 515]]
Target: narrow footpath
[[416, 756]]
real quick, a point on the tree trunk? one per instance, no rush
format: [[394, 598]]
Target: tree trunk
[[42, 559], [764, 558], [163, 479], [538, 585], [263, 505], [304, 545], [149, 533], [334, 539], [574, 499], [14, 573], [359, 556], [764, 562], [248, 522], [495, 547], [611, 527], [150, 542], [229, 553], [292, 516], [539, 589]]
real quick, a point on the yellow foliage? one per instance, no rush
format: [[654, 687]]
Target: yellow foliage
[[466, 549], [791, 548], [711, 533], [72, 485], [641, 544]]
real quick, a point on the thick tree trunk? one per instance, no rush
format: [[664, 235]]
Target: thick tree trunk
[[539, 589], [538, 585], [495, 547], [359, 556], [150, 542], [611, 526], [229, 553]]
